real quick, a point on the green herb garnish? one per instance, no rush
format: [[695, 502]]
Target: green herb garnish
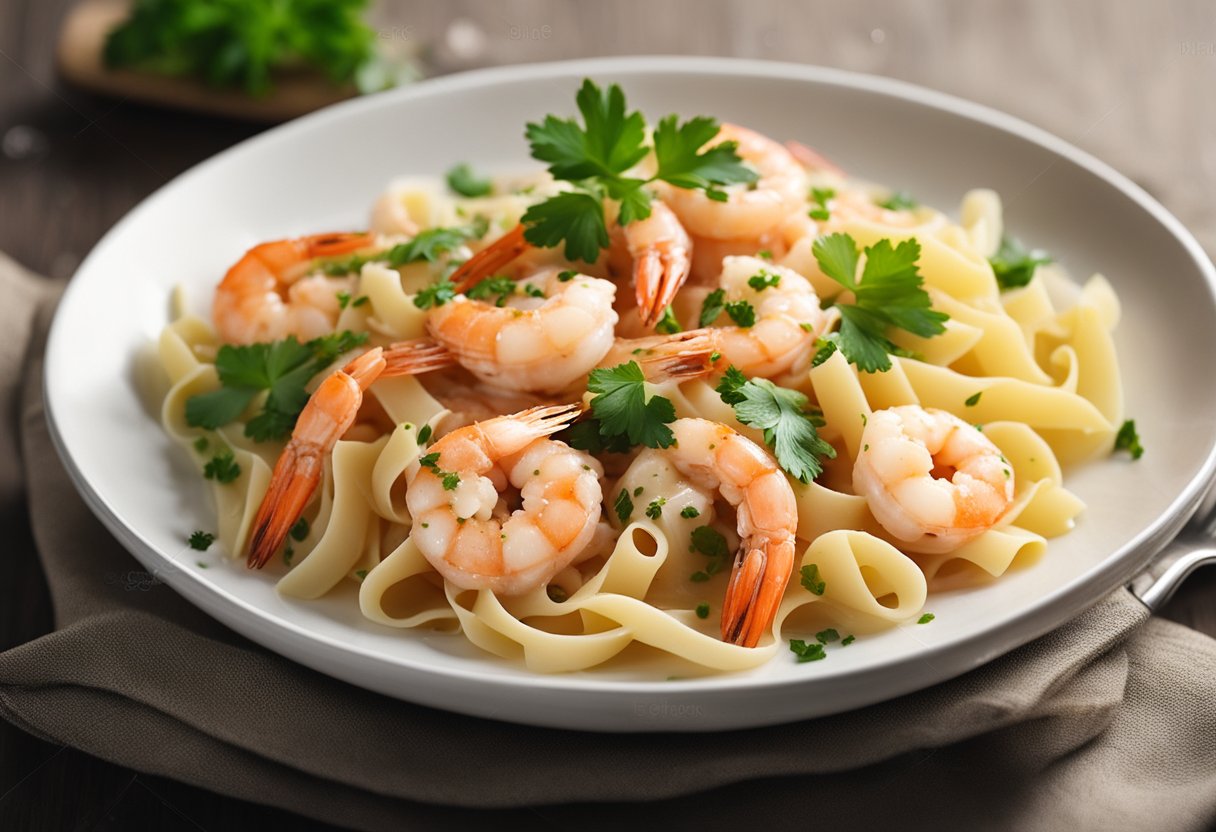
[[1014, 265], [1128, 440], [805, 652], [622, 409], [201, 540], [811, 580], [463, 181]]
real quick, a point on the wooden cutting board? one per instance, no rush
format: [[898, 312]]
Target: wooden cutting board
[[79, 58]]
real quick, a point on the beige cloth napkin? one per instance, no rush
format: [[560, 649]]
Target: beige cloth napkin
[[1107, 723]]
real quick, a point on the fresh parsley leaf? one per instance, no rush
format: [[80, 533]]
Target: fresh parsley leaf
[[572, 216], [702, 610], [899, 201], [811, 580], [763, 280], [709, 541], [668, 325], [824, 347], [587, 435], [789, 429], [222, 468], [463, 181], [501, 286], [805, 652], [241, 45], [437, 294], [433, 243], [1128, 440], [594, 157], [827, 636], [1014, 265], [201, 540], [424, 433], [741, 312], [712, 307], [623, 506], [621, 406], [282, 367], [679, 163], [343, 300], [926, 618], [889, 294], [847, 640], [689, 512], [655, 510]]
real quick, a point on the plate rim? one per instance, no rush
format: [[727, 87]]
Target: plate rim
[[947, 661]]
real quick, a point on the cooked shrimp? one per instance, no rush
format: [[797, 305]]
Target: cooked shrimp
[[267, 295], [330, 412], [463, 527], [750, 211], [658, 249], [537, 344], [788, 319], [716, 458], [932, 480]]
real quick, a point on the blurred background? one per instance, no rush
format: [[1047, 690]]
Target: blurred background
[[81, 144]]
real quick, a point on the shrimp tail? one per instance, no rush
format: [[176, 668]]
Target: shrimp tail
[[757, 585], [545, 420], [292, 484], [490, 259], [412, 358], [680, 357], [658, 274]]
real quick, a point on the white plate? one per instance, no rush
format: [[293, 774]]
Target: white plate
[[323, 171]]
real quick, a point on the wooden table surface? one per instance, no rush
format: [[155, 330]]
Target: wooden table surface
[[1130, 82]]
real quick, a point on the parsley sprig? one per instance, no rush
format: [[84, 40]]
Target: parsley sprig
[[283, 368], [621, 407], [789, 429], [889, 294], [595, 157]]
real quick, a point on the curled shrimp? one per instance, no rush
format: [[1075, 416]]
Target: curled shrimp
[[749, 211], [267, 294], [932, 480], [329, 413], [465, 530], [658, 248], [716, 458], [788, 319], [538, 344]]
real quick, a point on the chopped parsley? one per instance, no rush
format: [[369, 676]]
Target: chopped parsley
[[623, 506], [889, 294], [566, 276], [703, 610], [361, 573], [1128, 440], [763, 279], [433, 243], [424, 433], [595, 156], [789, 428], [811, 580], [741, 312], [655, 510], [222, 468], [820, 197], [300, 530], [709, 542], [1014, 265], [689, 512], [201, 444], [437, 294], [827, 636], [805, 652], [450, 479], [343, 300], [712, 307], [501, 286], [621, 408], [972, 401], [847, 640], [283, 368], [668, 325], [899, 201], [201, 541], [926, 618], [463, 181]]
